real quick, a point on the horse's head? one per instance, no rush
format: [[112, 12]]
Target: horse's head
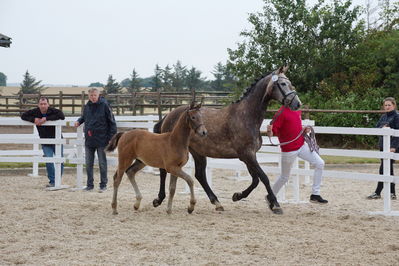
[[195, 119], [281, 89]]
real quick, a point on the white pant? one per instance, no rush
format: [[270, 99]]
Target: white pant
[[288, 158]]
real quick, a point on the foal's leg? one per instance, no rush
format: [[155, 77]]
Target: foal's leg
[[123, 164], [161, 194], [131, 173], [200, 174], [190, 183], [172, 190], [117, 181]]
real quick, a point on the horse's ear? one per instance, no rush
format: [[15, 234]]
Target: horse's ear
[[285, 69], [192, 105], [198, 105]]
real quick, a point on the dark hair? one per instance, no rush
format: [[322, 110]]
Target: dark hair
[[42, 98]]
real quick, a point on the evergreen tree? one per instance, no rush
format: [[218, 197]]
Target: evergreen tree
[[3, 79], [167, 79], [125, 83], [179, 76], [218, 72], [135, 82], [193, 79], [156, 82], [112, 87], [29, 85]]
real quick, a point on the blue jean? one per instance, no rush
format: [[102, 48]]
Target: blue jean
[[49, 151], [102, 162]]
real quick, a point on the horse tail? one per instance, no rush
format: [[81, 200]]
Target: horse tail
[[158, 125], [113, 143]]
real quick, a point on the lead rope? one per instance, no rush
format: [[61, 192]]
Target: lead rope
[[310, 139]]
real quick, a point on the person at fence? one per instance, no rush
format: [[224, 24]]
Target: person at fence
[[388, 120], [99, 127], [287, 126], [39, 116]]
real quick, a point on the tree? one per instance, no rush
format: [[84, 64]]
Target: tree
[[29, 85], [218, 72], [112, 87], [3, 79], [96, 84], [193, 79], [167, 79], [135, 82], [125, 83], [179, 76], [156, 82], [313, 41]]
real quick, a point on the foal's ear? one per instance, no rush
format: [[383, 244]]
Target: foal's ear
[[198, 106], [192, 105]]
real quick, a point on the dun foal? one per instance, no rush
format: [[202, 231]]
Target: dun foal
[[168, 151]]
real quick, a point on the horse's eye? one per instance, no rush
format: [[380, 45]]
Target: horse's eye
[[193, 117], [283, 84]]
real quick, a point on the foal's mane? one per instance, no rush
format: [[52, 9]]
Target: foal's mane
[[250, 89]]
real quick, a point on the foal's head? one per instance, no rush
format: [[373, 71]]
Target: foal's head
[[194, 119]]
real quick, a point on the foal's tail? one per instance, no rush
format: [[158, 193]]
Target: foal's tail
[[113, 143]]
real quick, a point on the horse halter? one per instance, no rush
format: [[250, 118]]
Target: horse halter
[[275, 79]]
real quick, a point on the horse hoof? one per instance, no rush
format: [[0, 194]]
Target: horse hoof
[[136, 207], [169, 212], [156, 203], [190, 211], [237, 196], [114, 212], [277, 210], [219, 208]]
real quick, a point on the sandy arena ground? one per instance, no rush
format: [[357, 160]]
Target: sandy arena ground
[[39, 227]]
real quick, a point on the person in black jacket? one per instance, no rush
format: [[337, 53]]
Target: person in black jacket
[[39, 116], [391, 120], [99, 128]]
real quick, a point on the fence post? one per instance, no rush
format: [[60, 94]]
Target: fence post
[[159, 104], [82, 104], [79, 156], [60, 100], [117, 105], [35, 168], [73, 105], [134, 103], [387, 172]]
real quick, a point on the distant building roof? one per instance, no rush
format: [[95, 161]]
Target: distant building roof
[[5, 41]]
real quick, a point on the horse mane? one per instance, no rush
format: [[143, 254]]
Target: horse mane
[[250, 89]]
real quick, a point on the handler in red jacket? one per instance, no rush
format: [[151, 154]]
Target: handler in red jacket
[[287, 126]]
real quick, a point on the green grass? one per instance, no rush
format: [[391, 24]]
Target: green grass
[[348, 160]]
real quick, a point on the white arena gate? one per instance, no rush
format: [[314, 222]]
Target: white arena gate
[[74, 153]]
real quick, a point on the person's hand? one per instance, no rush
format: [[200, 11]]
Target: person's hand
[[392, 149], [37, 121], [307, 130], [269, 131], [76, 124]]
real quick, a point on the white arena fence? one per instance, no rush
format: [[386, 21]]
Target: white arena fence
[[74, 153]]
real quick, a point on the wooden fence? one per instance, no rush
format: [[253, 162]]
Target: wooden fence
[[138, 103]]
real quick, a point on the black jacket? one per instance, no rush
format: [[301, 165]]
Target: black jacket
[[46, 132], [391, 120], [99, 122]]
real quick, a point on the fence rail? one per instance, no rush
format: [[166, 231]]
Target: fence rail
[[138, 103]]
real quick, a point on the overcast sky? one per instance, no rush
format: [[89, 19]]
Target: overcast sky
[[82, 41]]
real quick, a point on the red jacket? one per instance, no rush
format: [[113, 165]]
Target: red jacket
[[286, 127]]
